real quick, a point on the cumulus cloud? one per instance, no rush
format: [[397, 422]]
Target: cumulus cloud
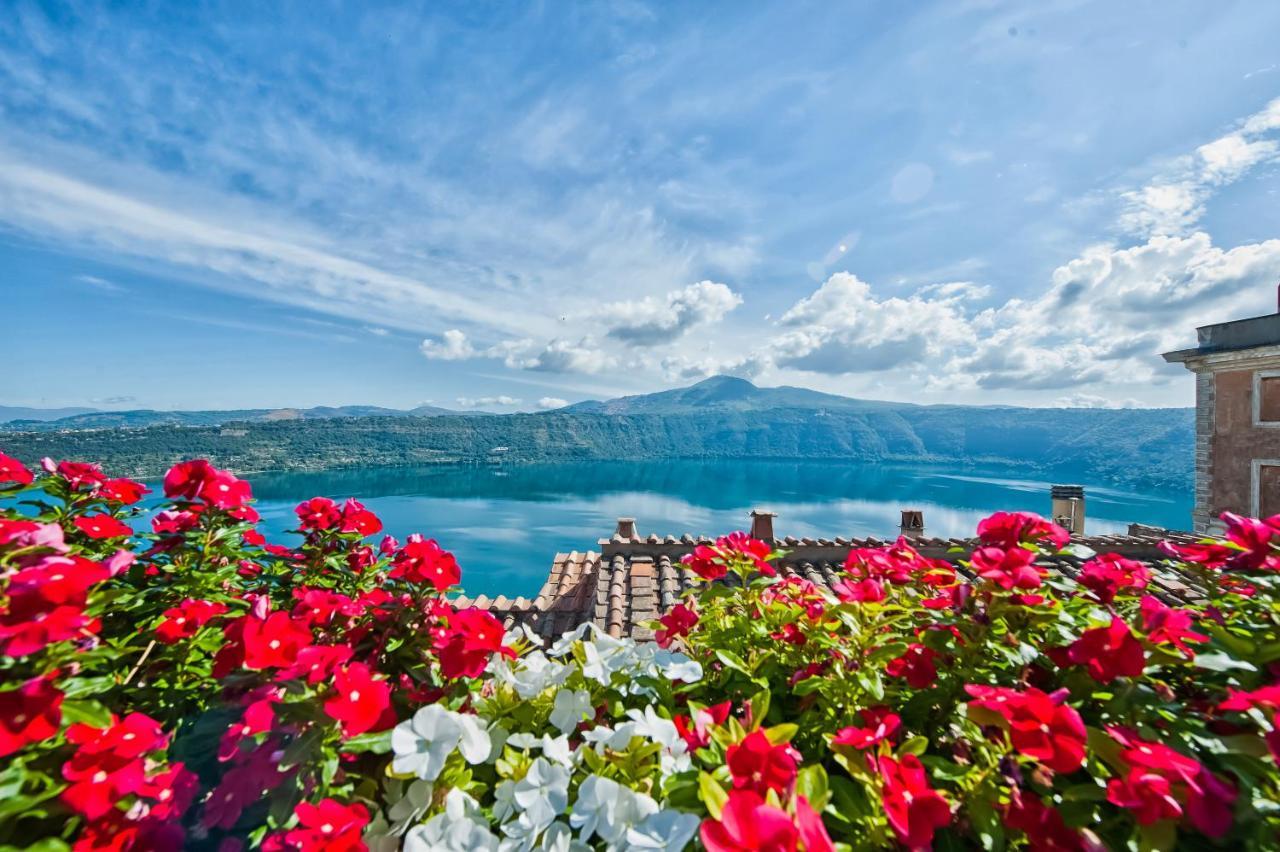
[[453, 345], [548, 403], [1087, 400], [555, 356], [487, 401], [652, 321], [682, 368]]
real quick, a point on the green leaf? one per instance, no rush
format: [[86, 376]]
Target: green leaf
[[1216, 661], [733, 661], [1158, 836], [779, 734], [377, 742], [87, 711], [712, 794], [916, 745], [811, 782]]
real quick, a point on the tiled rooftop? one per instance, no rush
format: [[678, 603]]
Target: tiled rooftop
[[632, 579]]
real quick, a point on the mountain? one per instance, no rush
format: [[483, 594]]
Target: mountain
[[144, 418], [721, 418], [18, 412]]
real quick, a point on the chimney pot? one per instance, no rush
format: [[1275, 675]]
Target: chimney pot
[[912, 525], [626, 528], [762, 524], [1067, 507]]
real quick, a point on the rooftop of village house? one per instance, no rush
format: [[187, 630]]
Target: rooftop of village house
[[631, 578]]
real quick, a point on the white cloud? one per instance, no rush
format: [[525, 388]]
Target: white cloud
[[453, 345], [487, 402], [1087, 400], [556, 356], [653, 321], [100, 283], [376, 331], [549, 403]]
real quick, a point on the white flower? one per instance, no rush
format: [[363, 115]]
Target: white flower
[[504, 800], [559, 838], [667, 830], [541, 795], [649, 724], [605, 737], [606, 655], [557, 749], [423, 744], [607, 808], [564, 644], [522, 631], [459, 829], [536, 673], [571, 707], [676, 666]]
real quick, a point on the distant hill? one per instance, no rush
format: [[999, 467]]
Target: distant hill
[[18, 412], [142, 418], [720, 418]]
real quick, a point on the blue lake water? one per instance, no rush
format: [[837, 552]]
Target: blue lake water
[[505, 524]]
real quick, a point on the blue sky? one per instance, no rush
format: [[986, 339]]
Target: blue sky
[[505, 206]]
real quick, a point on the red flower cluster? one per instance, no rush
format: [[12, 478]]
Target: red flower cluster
[[757, 764], [321, 513], [14, 471], [915, 665], [29, 714], [424, 561], [748, 823], [102, 526], [711, 562], [467, 643], [218, 489], [676, 623], [695, 728], [186, 619], [1010, 529], [1163, 784], [915, 809], [1110, 574], [1109, 652], [1012, 568], [360, 701], [880, 724], [1040, 726], [47, 597], [327, 826]]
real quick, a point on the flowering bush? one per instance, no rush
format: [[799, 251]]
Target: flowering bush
[[193, 685]]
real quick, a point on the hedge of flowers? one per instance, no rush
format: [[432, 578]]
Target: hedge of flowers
[[172, 680]]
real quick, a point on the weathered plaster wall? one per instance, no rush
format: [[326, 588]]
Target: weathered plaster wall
[[1236, 443]]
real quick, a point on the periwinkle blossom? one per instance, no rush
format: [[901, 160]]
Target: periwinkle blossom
[[414, 801], [540, 797], [647, 723], [571, 707], [666, 830], [531, 675], [461, 828], [609, 809], [423, 744]]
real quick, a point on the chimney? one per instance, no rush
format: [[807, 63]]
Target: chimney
[[1067, 507], [626, 529], [912, 525], [762, 524]]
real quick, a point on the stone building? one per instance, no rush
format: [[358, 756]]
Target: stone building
[[1237, 368]]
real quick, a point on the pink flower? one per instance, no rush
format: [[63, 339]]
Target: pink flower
[[126, 492], [1165, 624], [318, 513], [356, 518], [274, 641], [328, 826], [1109, 652], [695, 729], [186, 619], [466, 645], [1014, 568], [81, 476], [1039, 725]]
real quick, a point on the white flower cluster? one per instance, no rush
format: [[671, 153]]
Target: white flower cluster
[[529, 807]]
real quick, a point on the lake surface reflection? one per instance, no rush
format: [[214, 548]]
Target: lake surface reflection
[[505, 524]]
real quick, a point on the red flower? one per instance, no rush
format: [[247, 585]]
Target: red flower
[[813, 834], [54, 580], [1040, 726], [675, 624], [748, 824], [466, 644], [1009, 529], [790, 633], [29, 626], [1148, 794], [915, 810], [360, 558], [316, 663], [319, 606], [222, 490], [328, 826], [186, 619], [360, 702], [1165, 624], [1044, 827], [101, 526], [356, 518], [107, 765], [318, 513], [253, 538], [1109, 652], [695, 729], [126, 492], [1256, 540], [916, 666], [81, 475], [1014, 568], [706, 562], [185, 478], [274, 641], [12, 470], [712, 562], [859, 591], [29, 714], [23, 534], [759, 765], [881, 724], [424, 561], [1109, 574]]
